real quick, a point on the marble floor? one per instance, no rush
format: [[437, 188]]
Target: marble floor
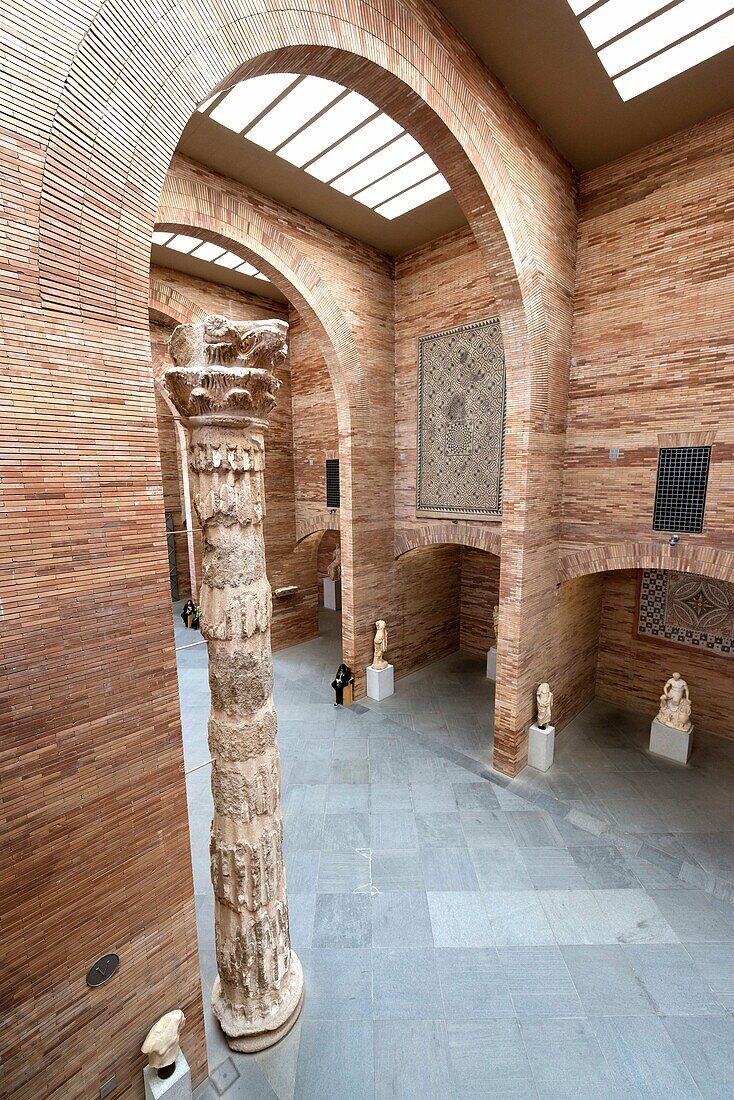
[[464, 936]]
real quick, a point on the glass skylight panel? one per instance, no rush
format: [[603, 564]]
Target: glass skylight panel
[[370, 137], [307, 99], [325, 131], [392, 156], [579, 6], [677, 59], [416, 196], [208, 251], [264, 278], [616, 16], [161, 238], [660, 32], [398, 181], [207, 103], [183, 243], [250, 98], [230, 259]]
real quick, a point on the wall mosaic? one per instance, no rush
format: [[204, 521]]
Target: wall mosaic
[[687, 609], [461, 419]]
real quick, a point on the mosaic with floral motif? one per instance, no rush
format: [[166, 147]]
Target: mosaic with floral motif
[[688, 609], [461, 421]]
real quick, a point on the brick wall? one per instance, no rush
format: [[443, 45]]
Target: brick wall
[[632, 670], [480, 586]]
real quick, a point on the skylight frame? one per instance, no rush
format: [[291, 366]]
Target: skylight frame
[[661, 32], [231, 261]]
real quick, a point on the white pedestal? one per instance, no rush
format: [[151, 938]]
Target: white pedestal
[[175, 1087], [332, 594], [492, 664], [672, 744], [540, 747], [380, 682]]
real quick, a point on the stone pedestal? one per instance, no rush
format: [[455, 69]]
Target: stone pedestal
[[541, 744], [223, 385], [332, 594], [380, 682], [673, 744], [175, 1087], [492, 664]]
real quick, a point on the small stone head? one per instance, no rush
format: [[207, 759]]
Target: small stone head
[[162, 1041]]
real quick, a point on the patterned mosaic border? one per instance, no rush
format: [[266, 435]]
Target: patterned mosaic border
[[687, 609], [461, 421]]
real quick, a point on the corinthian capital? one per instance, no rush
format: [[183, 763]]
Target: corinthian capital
[[224, 370]]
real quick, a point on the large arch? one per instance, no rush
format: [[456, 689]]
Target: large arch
[[684, 557], [480, 538]]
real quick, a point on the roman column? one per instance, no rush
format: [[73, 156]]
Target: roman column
[[224, 387]]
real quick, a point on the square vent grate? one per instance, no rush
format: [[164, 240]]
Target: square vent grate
[[680, 494]]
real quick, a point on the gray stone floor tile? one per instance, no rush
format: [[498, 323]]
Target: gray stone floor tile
[[696, 917], [706, 1046], [335, 1060], [475, 796], [350, 771], [566, 1059], [473, 984], [440, 830], [634, 815], [606, 982], [396, 870], [715, 962], [342, 920], [644, 1063], [301, 916], [302, 871], [539, 982], [459, 919], [487, 829], [393, 829], [671, 980], [488, 1061], [633, 917], [534, 829], [518, 919], [338, 984], [390, 796], [500, 869], [603, 867], [306, 832], [433, 798], [576, 917], [411, 1060], [347, 797], [448, 869], [401, 919], [405, 984], [345, 832], [240, 1078], [553, 869], [343, 872]]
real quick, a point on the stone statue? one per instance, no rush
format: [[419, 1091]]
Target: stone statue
[[334, 571], [675, 704], [496, 621], [544, 697], [162, 1043], [379, 661], [223, 384]]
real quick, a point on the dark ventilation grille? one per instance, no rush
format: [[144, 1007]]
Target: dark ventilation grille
[[332, 483], [680, 495]]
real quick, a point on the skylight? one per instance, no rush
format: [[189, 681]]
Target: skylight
[[335, 135], [207, 251], [642, 46]]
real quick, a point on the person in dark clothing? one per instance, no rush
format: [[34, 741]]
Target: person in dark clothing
[[188, 612], [340, 681]]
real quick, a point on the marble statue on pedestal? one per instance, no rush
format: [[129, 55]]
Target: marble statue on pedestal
[[223, 385], [334, 571], [675, 704], [378, 661], [162, 1043], [544, 698]]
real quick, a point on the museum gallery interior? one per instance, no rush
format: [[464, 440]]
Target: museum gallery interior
[[367, 587]]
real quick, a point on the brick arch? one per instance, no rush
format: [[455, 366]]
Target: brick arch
[[195, 208], [480, 538], [192, 47], [686, 557], [172, 304], [316, 525]]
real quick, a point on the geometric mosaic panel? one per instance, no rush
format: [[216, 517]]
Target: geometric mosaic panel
[[461, 421], [687, 609]]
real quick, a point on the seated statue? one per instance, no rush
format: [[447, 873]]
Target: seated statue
[[675, 704]]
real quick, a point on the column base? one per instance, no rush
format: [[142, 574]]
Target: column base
[[249, 1039], [175, 1087], [332, 594]]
